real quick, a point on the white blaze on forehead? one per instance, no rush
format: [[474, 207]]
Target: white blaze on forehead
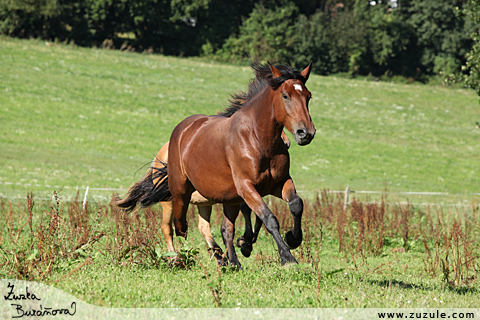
[[298, 87]]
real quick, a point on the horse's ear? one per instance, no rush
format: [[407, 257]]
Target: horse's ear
[[275, 72], [306, 72]]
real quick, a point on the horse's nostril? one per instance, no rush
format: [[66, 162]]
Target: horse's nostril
[[301, 133]]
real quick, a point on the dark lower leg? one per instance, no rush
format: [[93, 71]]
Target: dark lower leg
[[228, 232], [256, 203], [272, 226], [258, 226], [245, 241], [180, 207], [294, 237]]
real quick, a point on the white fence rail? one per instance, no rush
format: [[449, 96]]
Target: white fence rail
[[123, 190]]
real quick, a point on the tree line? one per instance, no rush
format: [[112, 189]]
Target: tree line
[[411, 38]]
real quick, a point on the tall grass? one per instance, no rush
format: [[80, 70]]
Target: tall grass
[[33, 246]]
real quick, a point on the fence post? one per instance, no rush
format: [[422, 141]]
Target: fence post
[[85, 198], [347, 194]]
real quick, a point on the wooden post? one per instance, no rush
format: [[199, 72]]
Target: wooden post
[[85, 198], [347, 194]]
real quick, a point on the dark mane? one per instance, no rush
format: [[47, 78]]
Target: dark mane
[[263, 71], [263, 77]]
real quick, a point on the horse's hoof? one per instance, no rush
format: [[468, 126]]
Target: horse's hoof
[[223, 263], [246, 249], [240, 242], [291, 241], [289, 260], [287, 263], [221, 260]]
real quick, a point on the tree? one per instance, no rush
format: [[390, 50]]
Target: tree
[[472, 65], [267, 34], [442, 37]]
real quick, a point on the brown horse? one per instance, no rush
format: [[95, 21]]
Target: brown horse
[[137, 193], [242, 158]]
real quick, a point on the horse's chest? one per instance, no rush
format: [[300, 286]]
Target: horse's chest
[[273, 170]]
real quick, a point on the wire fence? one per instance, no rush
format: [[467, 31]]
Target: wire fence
[[94, 194]]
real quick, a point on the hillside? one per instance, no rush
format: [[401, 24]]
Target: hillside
[[75, 117]]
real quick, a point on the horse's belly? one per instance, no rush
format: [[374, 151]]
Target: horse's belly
[[214, 187], [200, 200]]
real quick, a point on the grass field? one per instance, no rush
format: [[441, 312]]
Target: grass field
[[77, 117], [74, 117], [389, 258]]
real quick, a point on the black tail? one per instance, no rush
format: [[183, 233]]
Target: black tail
[[147, 192]]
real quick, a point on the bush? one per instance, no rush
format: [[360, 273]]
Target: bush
[[268, 34], [27, 18]]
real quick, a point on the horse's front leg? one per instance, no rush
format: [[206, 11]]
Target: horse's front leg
[[245, 242], [287, 192], [248, 192], [228, 232]]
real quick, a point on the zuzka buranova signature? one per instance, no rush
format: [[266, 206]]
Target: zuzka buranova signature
[[41, 311]]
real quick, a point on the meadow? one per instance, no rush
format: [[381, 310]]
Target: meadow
[[74, 117]]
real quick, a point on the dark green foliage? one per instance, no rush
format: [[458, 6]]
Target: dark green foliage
[[473, 57], [317, 40], [442, 38], [390, 41], [471, 78], [412, 38], [26, 18], [211, 21], [268, 34]]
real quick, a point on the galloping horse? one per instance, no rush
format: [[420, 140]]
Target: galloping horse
[[243, 158], [139, 193]]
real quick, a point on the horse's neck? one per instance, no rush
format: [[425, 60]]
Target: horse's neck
[[264, 125]]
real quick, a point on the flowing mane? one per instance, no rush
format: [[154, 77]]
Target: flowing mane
[[263, 77]]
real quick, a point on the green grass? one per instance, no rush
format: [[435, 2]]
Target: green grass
[[78, 117], [325, 277], [74, 117]]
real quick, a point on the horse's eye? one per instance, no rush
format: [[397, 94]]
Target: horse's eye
[[285, 96]]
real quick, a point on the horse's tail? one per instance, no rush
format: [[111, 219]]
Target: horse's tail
[[152, 188]]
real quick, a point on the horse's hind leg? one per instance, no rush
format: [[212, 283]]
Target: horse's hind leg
[[245, 242], [294, 237], [204, 213], [167, 229], [181, 190], [228, 232]]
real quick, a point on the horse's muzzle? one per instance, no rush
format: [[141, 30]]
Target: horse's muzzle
[[303, 137]]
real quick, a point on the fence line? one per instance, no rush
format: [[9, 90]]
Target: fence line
[[424, 204], [329, 191], [347, 192], [426, 193], [59, 187]]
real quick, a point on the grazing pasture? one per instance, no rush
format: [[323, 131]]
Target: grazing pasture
[[84, 117], [73, 117]]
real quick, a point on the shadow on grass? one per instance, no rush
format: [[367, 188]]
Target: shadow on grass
[[461, 290]]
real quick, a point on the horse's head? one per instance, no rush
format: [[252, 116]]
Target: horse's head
[[291, 105]]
